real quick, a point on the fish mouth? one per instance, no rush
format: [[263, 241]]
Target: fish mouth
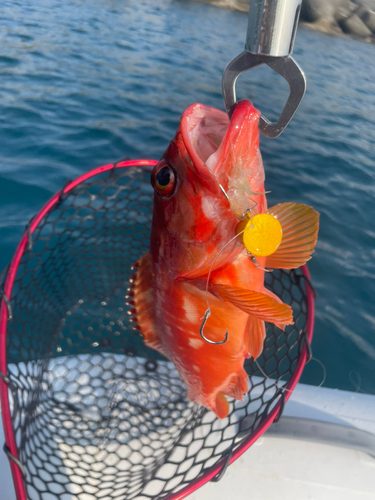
[[225, 153], [203, 129]]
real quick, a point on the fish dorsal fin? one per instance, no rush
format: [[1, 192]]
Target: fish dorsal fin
[[300, 225], [256, 304], [141, 298], [254, 336]]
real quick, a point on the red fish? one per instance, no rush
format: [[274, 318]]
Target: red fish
[[211, 173]]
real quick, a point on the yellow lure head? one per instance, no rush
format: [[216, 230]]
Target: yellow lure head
[[262, 234]]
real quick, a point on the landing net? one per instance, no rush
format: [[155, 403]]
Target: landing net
[[89, 411]]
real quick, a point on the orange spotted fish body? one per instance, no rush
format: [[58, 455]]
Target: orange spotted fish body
[[210, 175]]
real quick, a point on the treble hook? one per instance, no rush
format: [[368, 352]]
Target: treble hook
[[207, 314]]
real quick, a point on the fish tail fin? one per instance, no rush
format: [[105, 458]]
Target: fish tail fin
[[300, 225]]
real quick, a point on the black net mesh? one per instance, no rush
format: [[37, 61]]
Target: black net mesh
[[97, 414]]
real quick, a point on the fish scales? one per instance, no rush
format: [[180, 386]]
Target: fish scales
[[209, 176]]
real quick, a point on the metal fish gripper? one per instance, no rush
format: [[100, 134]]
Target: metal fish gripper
[[271, 30]]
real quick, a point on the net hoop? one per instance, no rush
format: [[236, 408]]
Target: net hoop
[[10, 446]]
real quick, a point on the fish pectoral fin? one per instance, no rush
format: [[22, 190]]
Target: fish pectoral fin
[[254, 336], [255, 304], [141, 298], [300, 224]]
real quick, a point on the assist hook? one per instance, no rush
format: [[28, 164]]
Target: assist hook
[[207, 314], [271, 30]]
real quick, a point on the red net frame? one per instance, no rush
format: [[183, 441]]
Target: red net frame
[[6, 383]]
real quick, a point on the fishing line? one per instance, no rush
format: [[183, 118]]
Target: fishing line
[[284, 389], [248, 211], [356, 384], [224, 193], [215, 259], [207, 313]]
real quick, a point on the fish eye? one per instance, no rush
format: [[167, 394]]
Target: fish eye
[[163, 179]]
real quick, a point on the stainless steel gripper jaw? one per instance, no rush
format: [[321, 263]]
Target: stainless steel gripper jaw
[[271, 31]]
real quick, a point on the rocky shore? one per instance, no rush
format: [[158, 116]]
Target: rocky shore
[[355, 18], [352, 17]]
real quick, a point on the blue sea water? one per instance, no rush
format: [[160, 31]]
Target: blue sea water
[[83, 83]]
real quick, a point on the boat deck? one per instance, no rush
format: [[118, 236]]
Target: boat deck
[[322, 448]]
